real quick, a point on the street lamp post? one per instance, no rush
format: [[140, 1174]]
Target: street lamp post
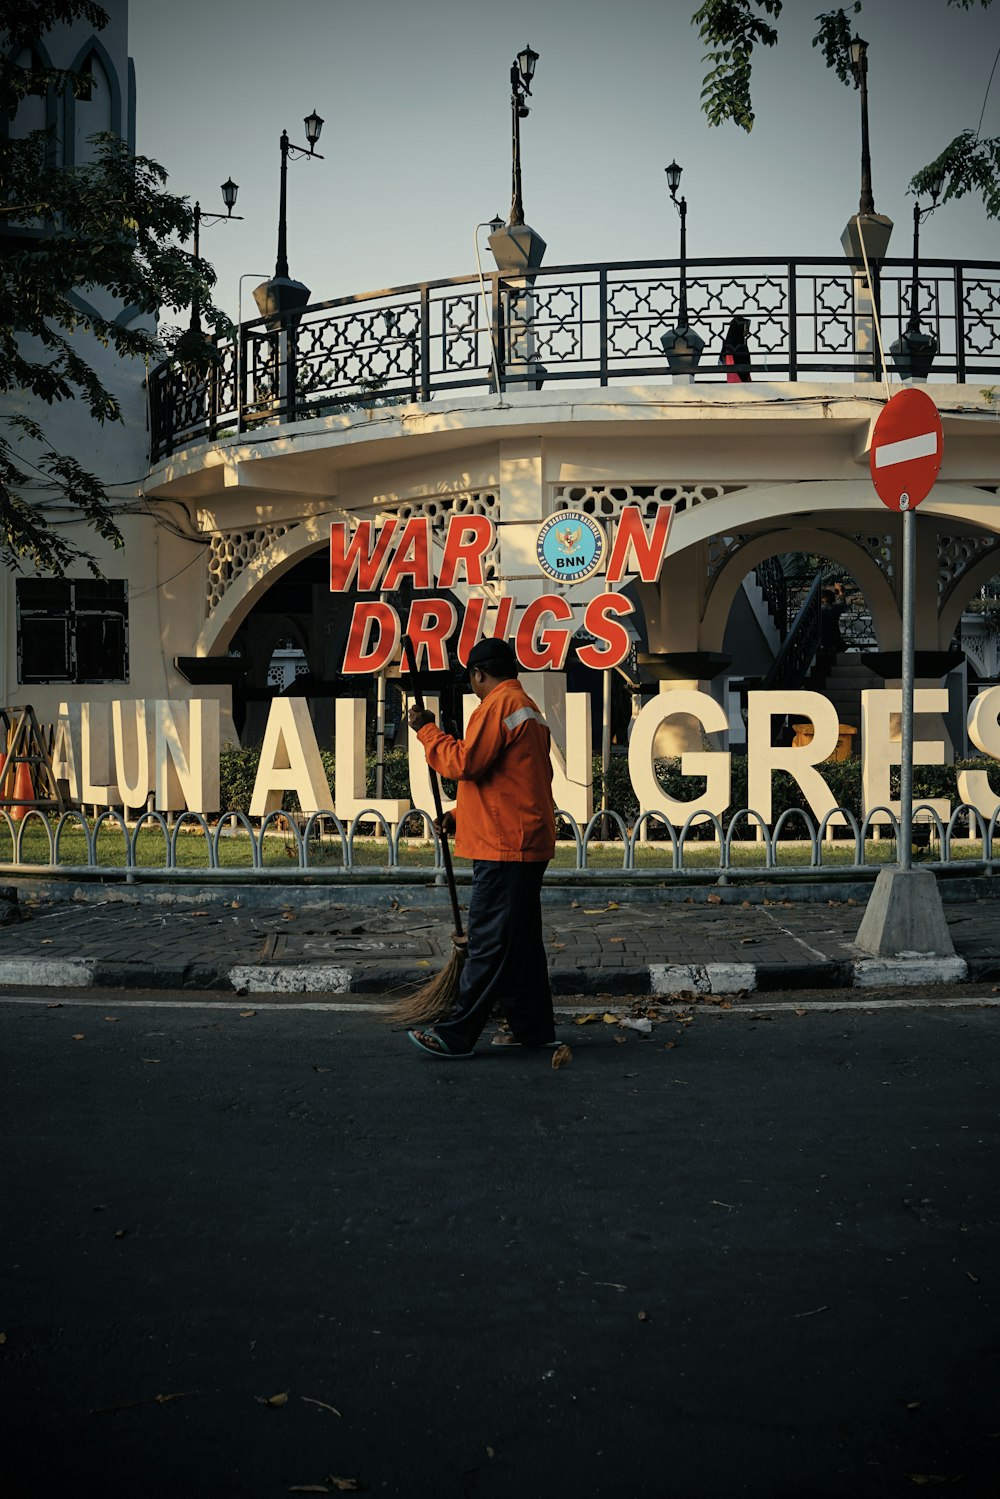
[[281, 296], [914, 351], [859, 65], [673, 172], [522, 70], [865, 239], [516, 246], [682, 345], [229, 191]]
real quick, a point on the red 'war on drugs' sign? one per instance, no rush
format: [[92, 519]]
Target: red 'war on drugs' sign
[[379, 557]]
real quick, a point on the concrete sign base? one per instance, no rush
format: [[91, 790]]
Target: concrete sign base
[[905, 917]]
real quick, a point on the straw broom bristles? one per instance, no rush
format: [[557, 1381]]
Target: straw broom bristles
[[435, 999]]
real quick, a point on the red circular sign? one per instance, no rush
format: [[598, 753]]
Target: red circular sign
[[906, 449]]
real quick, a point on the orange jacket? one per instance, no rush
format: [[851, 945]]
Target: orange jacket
[[504, 809]]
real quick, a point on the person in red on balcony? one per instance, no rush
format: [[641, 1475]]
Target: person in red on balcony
[[504, 821], [735, 355]]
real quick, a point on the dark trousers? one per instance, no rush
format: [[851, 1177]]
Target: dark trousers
[[506, 968]]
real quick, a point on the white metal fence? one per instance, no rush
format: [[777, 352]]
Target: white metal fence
[[188, 846]]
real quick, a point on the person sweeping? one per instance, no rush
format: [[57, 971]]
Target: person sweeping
[[504, 821]]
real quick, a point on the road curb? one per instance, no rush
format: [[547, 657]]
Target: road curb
[[656, 980]]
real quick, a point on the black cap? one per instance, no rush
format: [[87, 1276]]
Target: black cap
[[495, 657]]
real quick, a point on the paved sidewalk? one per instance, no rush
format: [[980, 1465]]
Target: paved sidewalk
[[375, 940]]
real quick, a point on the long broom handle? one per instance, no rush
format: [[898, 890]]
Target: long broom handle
[[435, 792]]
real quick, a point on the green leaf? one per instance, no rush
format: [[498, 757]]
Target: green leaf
[[732, 30], [111, 222], [834, 37], [967, 165]]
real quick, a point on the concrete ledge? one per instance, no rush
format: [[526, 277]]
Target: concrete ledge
[[698, 978], [828, 973], [418, 887], [885, 973], [318, 978], [45, 973]]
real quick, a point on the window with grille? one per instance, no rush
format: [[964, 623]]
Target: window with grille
[[72, 630]]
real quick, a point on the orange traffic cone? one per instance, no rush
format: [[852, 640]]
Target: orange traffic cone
[[23, 790]]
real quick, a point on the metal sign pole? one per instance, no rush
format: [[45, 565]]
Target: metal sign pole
[[905, 843], [904, 917]]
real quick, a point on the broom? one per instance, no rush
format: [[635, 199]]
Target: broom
[[435, 999]]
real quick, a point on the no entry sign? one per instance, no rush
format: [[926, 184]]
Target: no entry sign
[[906, 450]]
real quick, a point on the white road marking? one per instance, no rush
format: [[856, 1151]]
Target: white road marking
[[237, 1003], [924, 446], [813, 952], [348, 1007]]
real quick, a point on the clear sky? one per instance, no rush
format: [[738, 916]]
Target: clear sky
[[416, 142]]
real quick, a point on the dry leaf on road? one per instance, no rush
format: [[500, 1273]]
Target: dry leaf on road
[[272, 1399], [561, 1057], [310, 1401]]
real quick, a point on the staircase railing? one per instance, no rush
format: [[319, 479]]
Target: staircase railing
[[792, 663], [769, 576]]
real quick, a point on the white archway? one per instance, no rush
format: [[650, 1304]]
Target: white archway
[[270, 564], [962, 589], [872, 581]]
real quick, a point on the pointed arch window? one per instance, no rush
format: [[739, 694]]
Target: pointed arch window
[[93, 110], [98, 109]]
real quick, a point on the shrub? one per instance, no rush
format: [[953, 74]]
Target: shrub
[[238, 770]]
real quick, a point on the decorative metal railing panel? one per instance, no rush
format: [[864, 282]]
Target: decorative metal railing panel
[[588, 324], [231, 552], [323, 846], [608, 500]]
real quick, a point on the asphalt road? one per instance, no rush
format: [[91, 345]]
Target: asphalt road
[[746, 1256]]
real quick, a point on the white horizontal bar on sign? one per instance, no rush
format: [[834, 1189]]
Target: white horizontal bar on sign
[[924, 446]]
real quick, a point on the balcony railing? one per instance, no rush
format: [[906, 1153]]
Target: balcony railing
[[587, 324]]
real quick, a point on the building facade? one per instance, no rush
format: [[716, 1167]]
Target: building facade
[[517, 398]]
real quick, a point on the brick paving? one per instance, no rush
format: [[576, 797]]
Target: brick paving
[[385, 938]]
